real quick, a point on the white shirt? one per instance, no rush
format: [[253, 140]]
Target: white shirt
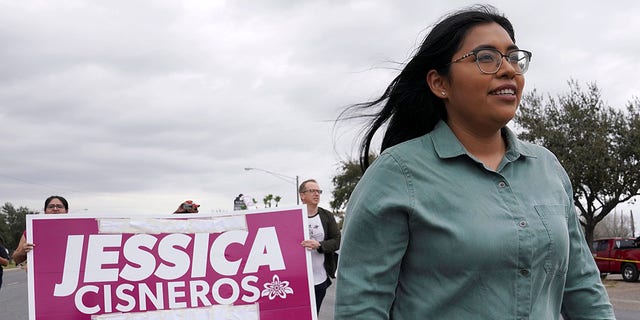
[[316, 232]]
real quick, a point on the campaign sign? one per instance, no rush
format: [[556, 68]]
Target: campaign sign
[[242, 265]]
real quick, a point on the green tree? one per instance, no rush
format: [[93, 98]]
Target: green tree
[[616, 224], [267, 200], [598, 146], [15, 221], [5, 231], [349, 173], [277, 199]]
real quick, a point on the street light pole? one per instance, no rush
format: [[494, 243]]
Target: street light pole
[[282, 177]]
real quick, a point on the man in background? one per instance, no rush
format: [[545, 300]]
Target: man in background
[[324, 239]]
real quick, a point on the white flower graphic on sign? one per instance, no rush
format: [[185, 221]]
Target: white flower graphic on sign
[[276, 288]]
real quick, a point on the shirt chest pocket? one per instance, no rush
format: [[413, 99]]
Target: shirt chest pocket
[[554, 219]]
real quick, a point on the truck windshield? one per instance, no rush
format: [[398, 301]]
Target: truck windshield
[[625, 244]]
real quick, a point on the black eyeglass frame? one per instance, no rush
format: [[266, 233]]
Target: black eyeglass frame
[[474, 53]]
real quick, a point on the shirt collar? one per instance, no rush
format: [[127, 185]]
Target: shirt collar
[[447, 144]]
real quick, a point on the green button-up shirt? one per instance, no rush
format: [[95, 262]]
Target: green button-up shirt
[[431, 233]]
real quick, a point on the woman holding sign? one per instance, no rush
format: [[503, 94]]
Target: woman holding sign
[[53, 205]]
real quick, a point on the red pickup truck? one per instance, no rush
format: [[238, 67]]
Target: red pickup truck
[[618, 256]]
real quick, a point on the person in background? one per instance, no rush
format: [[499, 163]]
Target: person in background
[[187, 207], [4, 259], [324, 239], [457, 218], [238, 203], [244, 202], [52, 205]]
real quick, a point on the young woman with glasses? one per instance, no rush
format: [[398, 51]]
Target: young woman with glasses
[[52, 205], [458, 218]]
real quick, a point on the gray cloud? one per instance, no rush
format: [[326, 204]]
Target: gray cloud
[[135, 106]]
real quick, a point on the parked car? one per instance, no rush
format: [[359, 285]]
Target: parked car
[[618, 256]]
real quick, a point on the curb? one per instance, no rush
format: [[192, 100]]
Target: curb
[[13, 269]]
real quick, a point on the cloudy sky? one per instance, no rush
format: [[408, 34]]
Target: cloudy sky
[[133, 106]]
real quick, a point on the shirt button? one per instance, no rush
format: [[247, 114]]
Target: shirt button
[[522, 224], [502, 184], [524, 272]]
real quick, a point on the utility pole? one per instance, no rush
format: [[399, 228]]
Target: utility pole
[[281, 177]]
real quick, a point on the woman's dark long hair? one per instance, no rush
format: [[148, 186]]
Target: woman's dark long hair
[[408, 105]]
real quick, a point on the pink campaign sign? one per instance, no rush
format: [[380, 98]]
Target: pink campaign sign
[[113, 267]]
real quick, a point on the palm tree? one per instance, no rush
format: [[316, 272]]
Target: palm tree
[[277, 199], [269, 197]]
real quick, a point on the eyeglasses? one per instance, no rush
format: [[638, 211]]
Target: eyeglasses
[[489, 60], [54, 206], [313, 191]]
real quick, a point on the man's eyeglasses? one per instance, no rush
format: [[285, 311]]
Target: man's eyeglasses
[[489, 60], [54, 206], [313, 191]]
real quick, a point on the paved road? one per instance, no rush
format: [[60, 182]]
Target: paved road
[[625, 297], [13, 295], [326, 310]]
